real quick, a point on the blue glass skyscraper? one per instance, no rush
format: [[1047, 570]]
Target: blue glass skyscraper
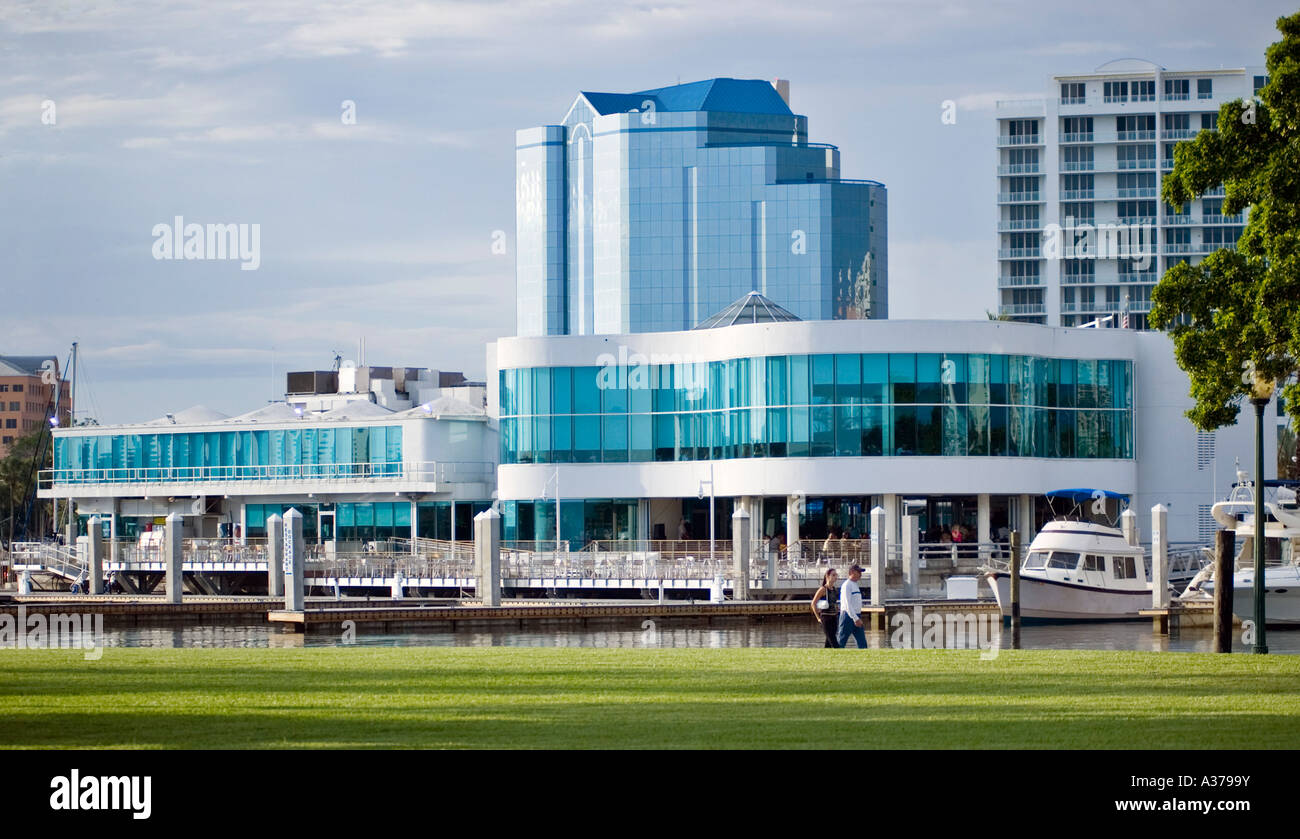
[[651, 211]]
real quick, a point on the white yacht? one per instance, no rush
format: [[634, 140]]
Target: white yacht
[[1083, 570], [1281, 575]]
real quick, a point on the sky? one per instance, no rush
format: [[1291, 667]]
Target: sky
[[372, 143]]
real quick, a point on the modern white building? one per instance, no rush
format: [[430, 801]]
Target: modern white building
[[358, 472], [1082, 232], [808, 425]]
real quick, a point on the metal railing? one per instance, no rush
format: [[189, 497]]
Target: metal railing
[[1019, 224], [1019, 140], [427, 471], [57, 559]]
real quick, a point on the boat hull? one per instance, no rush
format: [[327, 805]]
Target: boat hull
[[1281, 597], [1058, 601]]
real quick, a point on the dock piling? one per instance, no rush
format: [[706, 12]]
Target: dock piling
[[878, 547], [1225, 549], [275, 555], [1128, 524], [1015, 589], [95, 553], [487, 556], [294, 576], [1159, 557], [173, 543]]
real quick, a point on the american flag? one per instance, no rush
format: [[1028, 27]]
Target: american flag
[[1123, 312]]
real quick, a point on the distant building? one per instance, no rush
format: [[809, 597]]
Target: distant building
[[651, 211], [1088, 161], [27, 396]]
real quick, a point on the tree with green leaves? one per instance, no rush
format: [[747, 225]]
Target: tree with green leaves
[[18, 471], [1235, 317], [1288, 463]]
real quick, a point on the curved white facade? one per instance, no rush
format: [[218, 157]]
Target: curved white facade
[[1169, 463]]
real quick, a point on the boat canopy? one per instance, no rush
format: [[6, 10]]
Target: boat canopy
[[1081, 494]]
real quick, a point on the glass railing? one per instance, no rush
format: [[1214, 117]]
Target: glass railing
[[1019, 140], [1077, 194], [1180, 133], [1022, 309], [1019, 253], [1126, 136], [451, 472], [1018, 169], [1015, 282], [1013, 197], [1076, 166], [1136, 192], [1077, 137], [1141, 163], [1019, 224], [1177, 97], [1074, 100]]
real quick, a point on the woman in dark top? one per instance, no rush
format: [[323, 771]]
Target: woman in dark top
[[826, 608]]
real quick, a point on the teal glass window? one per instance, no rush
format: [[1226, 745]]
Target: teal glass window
[[902, 378], [875, 378]]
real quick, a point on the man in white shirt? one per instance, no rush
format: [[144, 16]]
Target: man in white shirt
[[851, 610]]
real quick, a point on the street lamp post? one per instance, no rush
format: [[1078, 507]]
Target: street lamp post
[[1261, 392]]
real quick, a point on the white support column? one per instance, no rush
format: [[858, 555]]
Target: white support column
[[173, 555], [879, 555], [1159, 557], [740, 522], [644, 529], [415, 525], [892, 531], [453, 522], [793, 508], [243, 522], [911, 555], [1026, 523], [983, 526], [1128, 523], [112, 530]]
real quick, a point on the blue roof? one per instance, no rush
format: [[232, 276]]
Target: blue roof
[[739, 96]]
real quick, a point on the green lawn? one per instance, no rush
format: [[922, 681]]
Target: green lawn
[[696, 698]]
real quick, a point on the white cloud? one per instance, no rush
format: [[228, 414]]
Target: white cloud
[[1103, 48]]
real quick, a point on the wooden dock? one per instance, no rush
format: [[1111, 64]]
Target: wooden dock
[[524, 613]]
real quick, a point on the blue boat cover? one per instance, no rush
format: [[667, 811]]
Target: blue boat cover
[[1081, 494]]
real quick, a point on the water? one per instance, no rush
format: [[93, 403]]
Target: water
[[1136, 635]]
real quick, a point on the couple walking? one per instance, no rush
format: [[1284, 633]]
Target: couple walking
[[838, 608]]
